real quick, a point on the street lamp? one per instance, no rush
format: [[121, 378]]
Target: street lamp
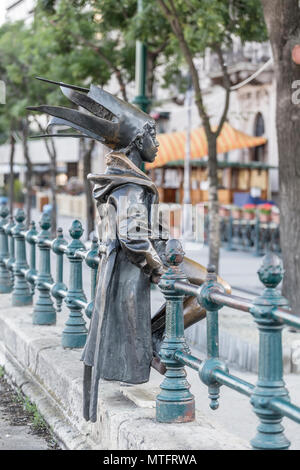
[[141, 99]]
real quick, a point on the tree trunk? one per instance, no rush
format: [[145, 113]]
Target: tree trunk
[[11, 176], [87, 150], [152, 56], [283, 22], [28, 178], [213, 202]]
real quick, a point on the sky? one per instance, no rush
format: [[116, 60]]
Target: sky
[[2, 11]]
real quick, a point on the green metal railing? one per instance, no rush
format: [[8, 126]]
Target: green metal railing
[[253, 236], [175, 403], [269, 396], [250, 235], [23, 279]]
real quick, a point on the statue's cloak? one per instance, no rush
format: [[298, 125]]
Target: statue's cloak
[[119, 343]]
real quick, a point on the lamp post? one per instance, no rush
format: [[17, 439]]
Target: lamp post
[[141, 100]]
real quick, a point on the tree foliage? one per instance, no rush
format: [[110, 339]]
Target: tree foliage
[[211, 22], [99, 38]]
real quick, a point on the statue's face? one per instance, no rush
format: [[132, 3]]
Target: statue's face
[[149, 146]]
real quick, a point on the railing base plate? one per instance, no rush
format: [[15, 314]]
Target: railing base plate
[[175, 412]]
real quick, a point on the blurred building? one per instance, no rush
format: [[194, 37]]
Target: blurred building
[[252, 106], [69, 164]]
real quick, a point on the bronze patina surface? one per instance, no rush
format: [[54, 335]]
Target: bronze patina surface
[[123, 342]]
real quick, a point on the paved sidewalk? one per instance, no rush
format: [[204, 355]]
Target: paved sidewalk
[[18, 437], [238, 268], [16, 431]]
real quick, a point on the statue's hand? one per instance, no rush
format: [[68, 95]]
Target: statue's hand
[[155, 278], [156, 274]]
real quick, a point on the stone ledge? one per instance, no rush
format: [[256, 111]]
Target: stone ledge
[[52, 378]]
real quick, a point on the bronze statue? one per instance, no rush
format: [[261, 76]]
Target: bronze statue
[[123, 342]]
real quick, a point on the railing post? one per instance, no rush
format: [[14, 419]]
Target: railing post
[[212, 323], [11, 248], [270, 382], [21, 292], [174, 403], [257, 239], [75, 332], [5, 277], [44, 312], [58, 243], [92, 263], [245, 234], [230, 232], [274, 238], [30, 238]]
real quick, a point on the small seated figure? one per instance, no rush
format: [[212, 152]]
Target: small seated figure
[[123, 341]]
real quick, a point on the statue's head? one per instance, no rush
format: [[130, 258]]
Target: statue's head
[[146, 143], [113, 122]]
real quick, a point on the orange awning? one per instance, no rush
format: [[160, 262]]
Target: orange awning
[[172, 146]]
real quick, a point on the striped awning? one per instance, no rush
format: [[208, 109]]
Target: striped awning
[[172, 146]]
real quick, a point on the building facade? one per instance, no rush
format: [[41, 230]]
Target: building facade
[[252, 106]]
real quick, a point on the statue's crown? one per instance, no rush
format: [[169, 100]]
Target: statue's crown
[[111, 120]]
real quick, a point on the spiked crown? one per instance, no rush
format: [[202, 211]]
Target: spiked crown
[[111, 121]]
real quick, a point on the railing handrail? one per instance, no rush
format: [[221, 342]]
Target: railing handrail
[[236, 302], [251, 235], [269, 397]]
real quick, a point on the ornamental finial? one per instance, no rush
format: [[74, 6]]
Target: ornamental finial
[[3, 211], [20, 216], [45, 222], [271, 271], [174, 252], [211, 273], [76, 230]]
